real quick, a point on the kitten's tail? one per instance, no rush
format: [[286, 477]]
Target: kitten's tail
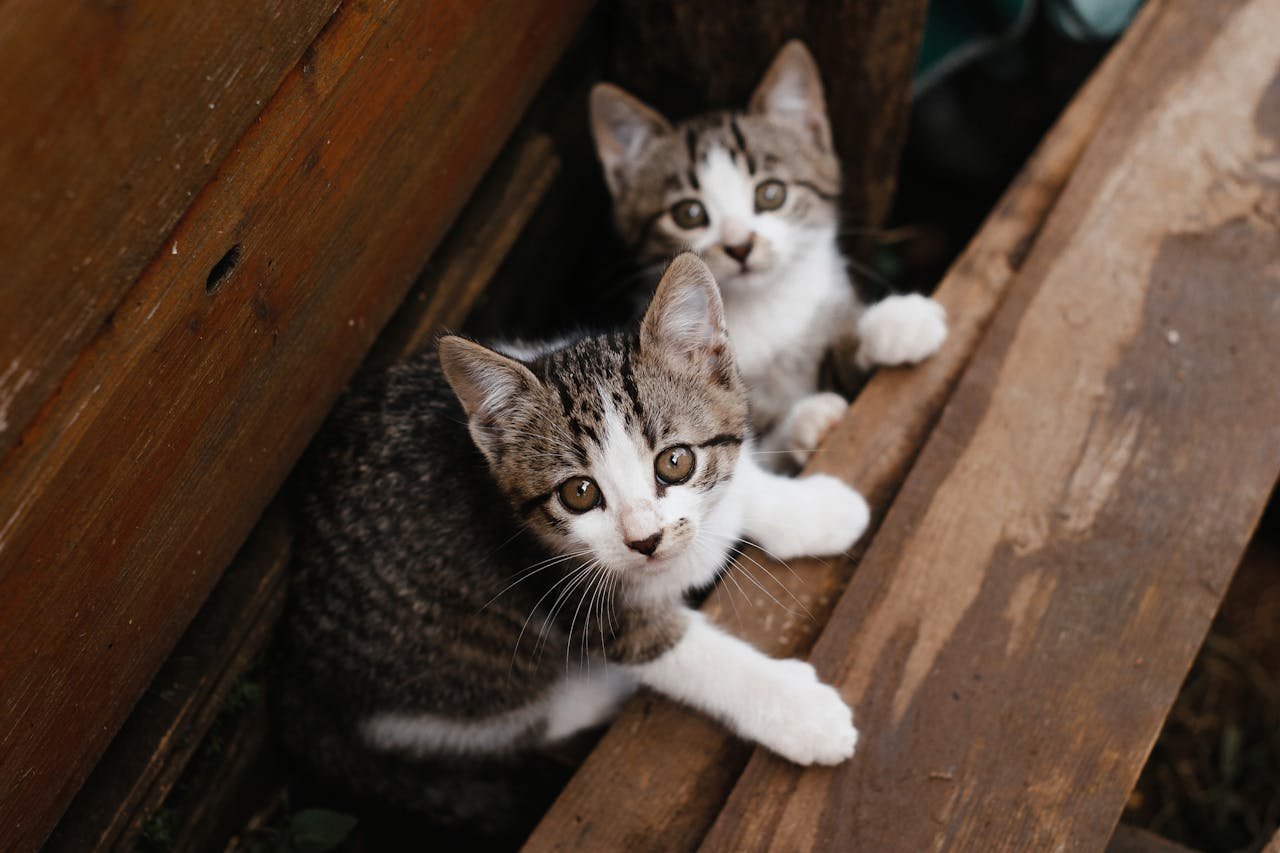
[[492, 798]]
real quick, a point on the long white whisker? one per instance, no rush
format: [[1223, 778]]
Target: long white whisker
[[534, 610], [530, 571], [561, 599]]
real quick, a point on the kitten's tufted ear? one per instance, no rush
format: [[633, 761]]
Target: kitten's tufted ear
[[791, 93], [685, 320], [621, 126], [486, 382]]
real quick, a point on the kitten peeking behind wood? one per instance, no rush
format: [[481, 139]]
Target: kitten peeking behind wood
[[493, 553], [756, 194]]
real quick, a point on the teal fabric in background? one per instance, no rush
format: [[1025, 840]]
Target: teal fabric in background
[[958, 32]]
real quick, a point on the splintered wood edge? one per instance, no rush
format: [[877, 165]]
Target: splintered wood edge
[[872, 448], [117, 799]]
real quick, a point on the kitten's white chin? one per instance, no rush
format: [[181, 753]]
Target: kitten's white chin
[[743, 280]]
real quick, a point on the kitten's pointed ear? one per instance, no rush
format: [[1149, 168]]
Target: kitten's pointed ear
[[621, 125], [791, 93], [685, 320], [485, 381]]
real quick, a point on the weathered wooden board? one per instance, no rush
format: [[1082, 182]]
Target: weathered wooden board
[[480, 240], [149, 753], [1023, 620], [134, 486], [658, 778], [114, 116], [674, 53]]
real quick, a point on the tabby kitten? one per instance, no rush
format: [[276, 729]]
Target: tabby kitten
[[756, 193], [482, 573]]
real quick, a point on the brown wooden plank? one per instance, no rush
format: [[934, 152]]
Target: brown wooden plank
[[115, 116], [135, 485], [476, 246], [153, 748], [149, 753], [637, 790], [1023, 620], [673, 54]]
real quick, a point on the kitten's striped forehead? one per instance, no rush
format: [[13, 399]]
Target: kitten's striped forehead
[[758, 147], [592, 387]]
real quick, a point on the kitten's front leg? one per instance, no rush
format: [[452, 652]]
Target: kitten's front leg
[[900, 330], [812, 515], [777, 703], [797, 436]]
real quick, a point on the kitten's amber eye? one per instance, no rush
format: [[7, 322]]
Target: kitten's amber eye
[[689, 214], [579, 494], [770, 195], [674, 465]]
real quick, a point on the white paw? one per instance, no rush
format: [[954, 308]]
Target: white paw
[[827, 518], [900, 330], [810, 420], [802, 719]]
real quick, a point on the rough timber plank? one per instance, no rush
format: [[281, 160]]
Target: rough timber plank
[[115, 115], [149, 753], [133, 487], [657, 779], [1020, 626], [480, 240]]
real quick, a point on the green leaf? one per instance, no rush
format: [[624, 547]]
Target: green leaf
[[319, 830]]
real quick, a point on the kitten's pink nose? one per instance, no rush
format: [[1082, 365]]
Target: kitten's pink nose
[[647, 545], [740, 252]]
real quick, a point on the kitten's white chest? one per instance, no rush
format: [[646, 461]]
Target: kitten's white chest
[[781, 330]]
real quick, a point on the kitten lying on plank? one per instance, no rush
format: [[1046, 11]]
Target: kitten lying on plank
[[494, 553], [756, 194]]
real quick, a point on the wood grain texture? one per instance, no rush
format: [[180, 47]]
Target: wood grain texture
[[475, 248], [150, 752], [135, 485], [115, 115], [1023, 620], [635, 792], [672, 53]]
